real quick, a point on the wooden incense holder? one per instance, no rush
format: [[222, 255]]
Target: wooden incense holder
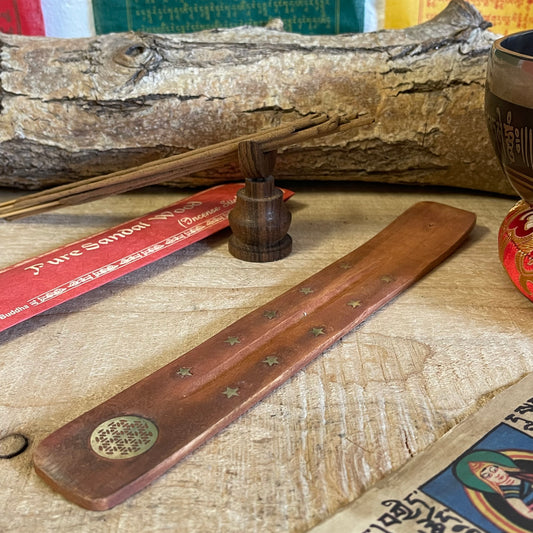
[[119, 447], [260, 219]]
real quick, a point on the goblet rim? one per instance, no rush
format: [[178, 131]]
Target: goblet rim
[[498, 45]]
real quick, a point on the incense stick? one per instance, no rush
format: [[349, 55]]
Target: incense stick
[[282, 130], [184, 164]]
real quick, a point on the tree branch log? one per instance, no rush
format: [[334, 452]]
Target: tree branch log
[[74, 108]]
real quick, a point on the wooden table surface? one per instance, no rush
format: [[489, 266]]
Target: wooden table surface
[[379, 396]]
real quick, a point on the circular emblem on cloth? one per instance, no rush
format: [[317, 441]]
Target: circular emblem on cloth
[[123, 437]]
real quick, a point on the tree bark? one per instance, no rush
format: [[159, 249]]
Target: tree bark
[[74, 108]]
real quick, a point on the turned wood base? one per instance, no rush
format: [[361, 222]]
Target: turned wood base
[[260, 254]]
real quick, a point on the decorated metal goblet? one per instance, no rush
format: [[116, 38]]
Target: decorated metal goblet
[[509, 108]]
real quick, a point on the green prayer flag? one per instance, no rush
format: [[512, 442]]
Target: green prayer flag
[[184, 16]]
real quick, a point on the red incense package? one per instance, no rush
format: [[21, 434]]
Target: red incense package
[[40, 283]]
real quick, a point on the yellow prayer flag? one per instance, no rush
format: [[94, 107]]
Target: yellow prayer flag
[[507, 16]]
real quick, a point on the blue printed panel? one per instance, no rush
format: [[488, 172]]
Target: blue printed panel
[[183, 16]]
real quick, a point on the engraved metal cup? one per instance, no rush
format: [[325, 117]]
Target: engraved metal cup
[[509, 108]]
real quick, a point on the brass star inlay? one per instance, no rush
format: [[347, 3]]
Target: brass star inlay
[[387, 278], [232, 341], [230, 392], [317, 331], [184, 372], [271, 360], [270, 314], [306, 290], [355, 303]]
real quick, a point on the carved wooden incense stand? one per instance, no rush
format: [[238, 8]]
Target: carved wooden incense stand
[[260, 219], [116, 449]]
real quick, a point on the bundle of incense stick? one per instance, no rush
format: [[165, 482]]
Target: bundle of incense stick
[[185, 164]]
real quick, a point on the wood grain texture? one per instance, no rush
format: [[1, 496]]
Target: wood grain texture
[[376, 398], [74, 108]]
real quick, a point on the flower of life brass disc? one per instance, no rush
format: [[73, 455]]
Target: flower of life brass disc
[[123, 437]]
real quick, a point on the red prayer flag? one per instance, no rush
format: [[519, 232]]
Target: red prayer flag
[[23, 17]]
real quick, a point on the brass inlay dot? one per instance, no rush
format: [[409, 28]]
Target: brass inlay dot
[[123, 437], [184, 372], [232, 341], [271, 360], [306, 290], [231, 391]]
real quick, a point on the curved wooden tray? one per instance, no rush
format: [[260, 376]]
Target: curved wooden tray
[[116, 449]]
